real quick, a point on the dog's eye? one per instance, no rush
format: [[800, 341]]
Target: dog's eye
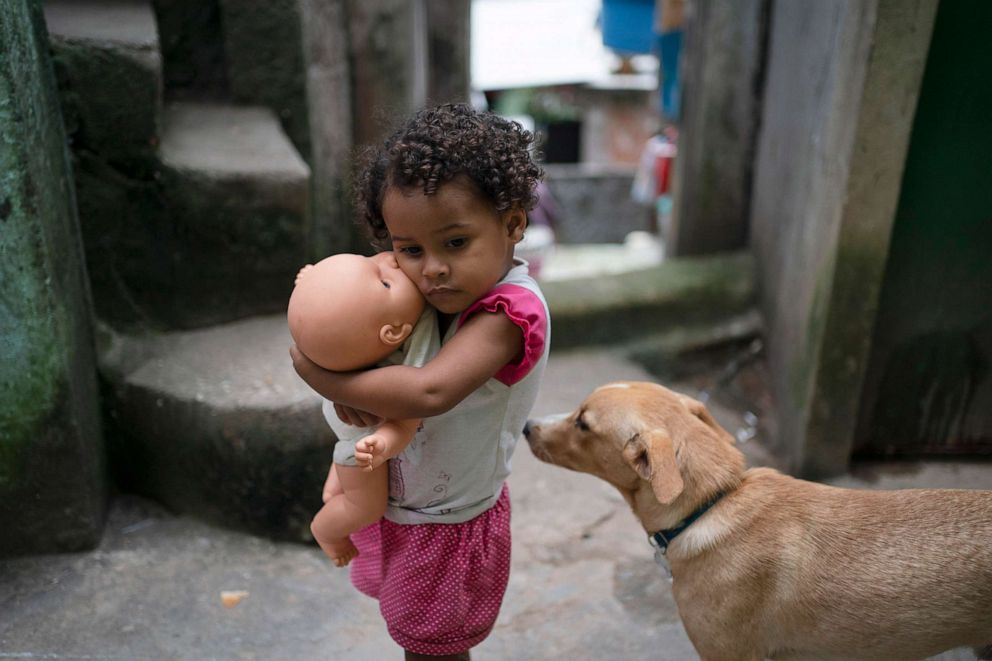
[[581, 424]]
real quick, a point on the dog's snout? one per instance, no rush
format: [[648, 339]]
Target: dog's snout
[[537, 427]]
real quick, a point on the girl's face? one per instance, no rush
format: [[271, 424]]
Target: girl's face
[[453, 244]]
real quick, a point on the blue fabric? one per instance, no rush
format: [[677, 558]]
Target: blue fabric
[[668, 47], [628, 25]]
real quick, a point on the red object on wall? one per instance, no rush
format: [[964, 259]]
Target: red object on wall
[[664, 158]]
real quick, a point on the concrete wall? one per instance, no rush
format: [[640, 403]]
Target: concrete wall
[[841, 87], [720, 83], [595, 204], [52, 486]]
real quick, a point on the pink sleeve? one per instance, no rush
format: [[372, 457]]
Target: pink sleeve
[[523, 308]]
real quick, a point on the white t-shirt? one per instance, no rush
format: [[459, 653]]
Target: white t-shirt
[[455, 466]]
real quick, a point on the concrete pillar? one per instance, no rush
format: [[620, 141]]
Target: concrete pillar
[[722, 63], [843, 79], [369, 65], [385, 57], [448, 56], [328, 83], [52, 476]]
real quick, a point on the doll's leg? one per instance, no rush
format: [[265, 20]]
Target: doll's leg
[[362, 502], [332, 485]]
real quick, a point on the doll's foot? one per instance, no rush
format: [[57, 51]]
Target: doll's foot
[[341, 551]]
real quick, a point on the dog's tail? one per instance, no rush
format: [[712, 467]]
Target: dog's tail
[[984, 653]]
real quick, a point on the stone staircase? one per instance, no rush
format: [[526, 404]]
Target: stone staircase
[[195, 218], [194, 211]]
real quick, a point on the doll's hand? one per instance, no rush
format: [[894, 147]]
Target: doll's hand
[[356, 417], [303, 272], [370, 452]]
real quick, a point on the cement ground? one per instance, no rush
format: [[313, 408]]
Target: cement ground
[[583, 584]]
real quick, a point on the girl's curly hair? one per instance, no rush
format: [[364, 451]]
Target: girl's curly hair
[[438, 144]]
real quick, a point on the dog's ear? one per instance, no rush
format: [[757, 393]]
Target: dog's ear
[[652, 456], [698, 409]]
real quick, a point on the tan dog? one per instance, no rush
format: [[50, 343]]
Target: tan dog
[[780, 567]]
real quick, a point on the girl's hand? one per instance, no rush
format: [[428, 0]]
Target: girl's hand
[[303, 365], [309, 371], [356, 417]]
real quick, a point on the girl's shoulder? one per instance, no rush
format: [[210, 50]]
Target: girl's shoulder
[[519, 298], [517, 289]]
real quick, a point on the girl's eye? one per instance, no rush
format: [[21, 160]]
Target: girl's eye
[[457, 243], [411, 251], [385, 284]]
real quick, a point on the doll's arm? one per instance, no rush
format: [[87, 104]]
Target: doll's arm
[[384, 443], [483, 345]]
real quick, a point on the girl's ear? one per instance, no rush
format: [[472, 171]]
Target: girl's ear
[[516, 223]]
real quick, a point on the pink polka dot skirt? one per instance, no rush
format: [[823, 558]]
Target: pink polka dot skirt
[[439, 585]]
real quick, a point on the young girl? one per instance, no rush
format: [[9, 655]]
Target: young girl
[[450, 191]]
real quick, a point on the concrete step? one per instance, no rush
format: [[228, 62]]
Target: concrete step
[[107, 60], [217, 235], [215, 423], [619, 307], [238, 196]]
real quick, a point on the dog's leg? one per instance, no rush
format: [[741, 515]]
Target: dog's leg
[[984, 653]]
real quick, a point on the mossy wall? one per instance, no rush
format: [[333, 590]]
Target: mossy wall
[[52, 488]]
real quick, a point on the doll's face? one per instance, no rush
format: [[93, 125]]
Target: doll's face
[[383, 285], [347, 311]]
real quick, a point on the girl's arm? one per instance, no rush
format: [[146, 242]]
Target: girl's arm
[[483, 345]]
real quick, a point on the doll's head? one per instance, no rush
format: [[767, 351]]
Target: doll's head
[[439, 144], [349, 311]]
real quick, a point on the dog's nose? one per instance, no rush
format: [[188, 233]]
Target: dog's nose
[[527, 429]]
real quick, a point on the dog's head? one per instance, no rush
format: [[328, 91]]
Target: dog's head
[[633, 435]]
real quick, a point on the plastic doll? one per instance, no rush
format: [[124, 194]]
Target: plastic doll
[[351, 312]]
